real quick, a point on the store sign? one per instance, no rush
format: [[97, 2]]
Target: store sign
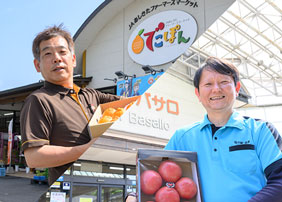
[[66, 185], [157, 104], [56, 185], [162, 37], [153, 115], [166, 106]]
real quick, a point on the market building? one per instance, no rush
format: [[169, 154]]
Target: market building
[[126, 46]]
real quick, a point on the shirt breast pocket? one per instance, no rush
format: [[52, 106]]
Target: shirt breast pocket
[[242, 159]]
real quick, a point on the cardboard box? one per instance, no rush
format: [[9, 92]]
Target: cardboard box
[[95, 129], [150, 159]]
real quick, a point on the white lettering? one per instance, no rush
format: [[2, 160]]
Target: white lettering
[[132, 118], [155, 124], [148, 122], [166, 126], [141, 121]]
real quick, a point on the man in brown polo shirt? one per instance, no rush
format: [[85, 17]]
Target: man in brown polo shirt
[[54, 118]]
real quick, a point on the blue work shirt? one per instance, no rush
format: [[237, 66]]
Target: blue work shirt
[[232, 161]]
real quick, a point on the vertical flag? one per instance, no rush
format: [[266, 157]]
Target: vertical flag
[[10, 139]]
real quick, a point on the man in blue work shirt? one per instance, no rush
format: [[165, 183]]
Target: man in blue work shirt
[[239, 158]]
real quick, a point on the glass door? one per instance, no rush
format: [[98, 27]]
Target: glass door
[[97, 193], [87, 193], [112, 193]]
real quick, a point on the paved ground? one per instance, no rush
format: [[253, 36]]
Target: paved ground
[[17, 187]]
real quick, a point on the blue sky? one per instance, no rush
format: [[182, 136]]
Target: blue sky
[[19, 24]]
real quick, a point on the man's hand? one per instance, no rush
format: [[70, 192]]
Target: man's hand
[[131, 199]]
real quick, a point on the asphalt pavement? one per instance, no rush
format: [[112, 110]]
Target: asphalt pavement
[[17, 187]]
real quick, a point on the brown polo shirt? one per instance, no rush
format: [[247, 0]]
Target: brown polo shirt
[[53, 115]]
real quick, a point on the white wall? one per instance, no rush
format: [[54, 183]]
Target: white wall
[[272, 114]]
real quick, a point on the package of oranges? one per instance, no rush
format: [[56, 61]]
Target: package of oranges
[[106, 114], [111, 114]]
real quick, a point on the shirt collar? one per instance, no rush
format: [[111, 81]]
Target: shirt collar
[[61, 89], [235, 120]]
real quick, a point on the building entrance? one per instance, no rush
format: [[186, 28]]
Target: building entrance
[[88, 181], [97, 193]]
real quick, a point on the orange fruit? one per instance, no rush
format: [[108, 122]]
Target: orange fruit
[[138, 43], [129, 105], [109, 112], [105, 119], [119, 112], [115, 118]]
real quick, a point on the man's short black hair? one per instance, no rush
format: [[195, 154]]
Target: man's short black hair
[[49, 33], [219, 65]]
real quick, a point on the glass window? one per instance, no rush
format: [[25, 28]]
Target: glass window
[[94, 169], [113, 170], [131, 172], [131, 179], [131, 188]]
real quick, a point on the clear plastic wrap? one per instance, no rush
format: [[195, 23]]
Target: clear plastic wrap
[[167, 176]]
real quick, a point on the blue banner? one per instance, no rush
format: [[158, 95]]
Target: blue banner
[[136, 86]]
